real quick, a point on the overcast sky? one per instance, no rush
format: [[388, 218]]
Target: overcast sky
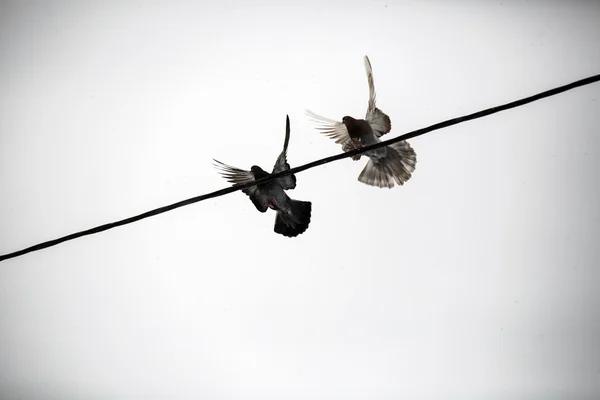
[[478, 279]]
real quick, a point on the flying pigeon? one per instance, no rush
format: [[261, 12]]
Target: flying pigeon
[[293, 216], [393, 163]]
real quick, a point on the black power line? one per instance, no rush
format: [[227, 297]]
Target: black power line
[[304, 167]]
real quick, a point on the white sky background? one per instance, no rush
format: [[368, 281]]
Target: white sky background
[[477, 279]]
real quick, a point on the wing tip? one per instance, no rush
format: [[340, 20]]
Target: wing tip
[[223, 168], [218, 164], [320, 119], [367, 63], [287, 135]]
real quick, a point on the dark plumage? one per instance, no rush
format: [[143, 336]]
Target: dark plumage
[[293, 216]]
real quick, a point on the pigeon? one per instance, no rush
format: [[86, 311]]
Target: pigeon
[[293, 216], [388, 165]]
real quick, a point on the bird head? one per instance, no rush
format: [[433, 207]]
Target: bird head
[[347, 119]]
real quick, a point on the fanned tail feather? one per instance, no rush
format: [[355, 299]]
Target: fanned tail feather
[[294, 222], [395, 168]]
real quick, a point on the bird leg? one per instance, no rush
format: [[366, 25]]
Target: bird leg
[[353, 145], [271, 203]]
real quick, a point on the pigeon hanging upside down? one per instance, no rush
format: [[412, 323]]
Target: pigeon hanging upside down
[[393, 163], [293, 216]]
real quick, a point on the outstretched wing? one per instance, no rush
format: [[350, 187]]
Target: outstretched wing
[[239, 177], [336, 130], [379, 121], [289, 181]]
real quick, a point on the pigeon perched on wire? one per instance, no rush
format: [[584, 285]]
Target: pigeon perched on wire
[[293, 216], [388, 165]]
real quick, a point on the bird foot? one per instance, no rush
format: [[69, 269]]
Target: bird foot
[[271, 203], [357, 145], [353, 145]]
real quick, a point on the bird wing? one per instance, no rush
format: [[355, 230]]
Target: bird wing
[[379, 121], [288, 181], [336, 130], [239, 177]]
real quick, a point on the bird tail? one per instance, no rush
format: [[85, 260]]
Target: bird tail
[[295, 219], [397, 166]]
